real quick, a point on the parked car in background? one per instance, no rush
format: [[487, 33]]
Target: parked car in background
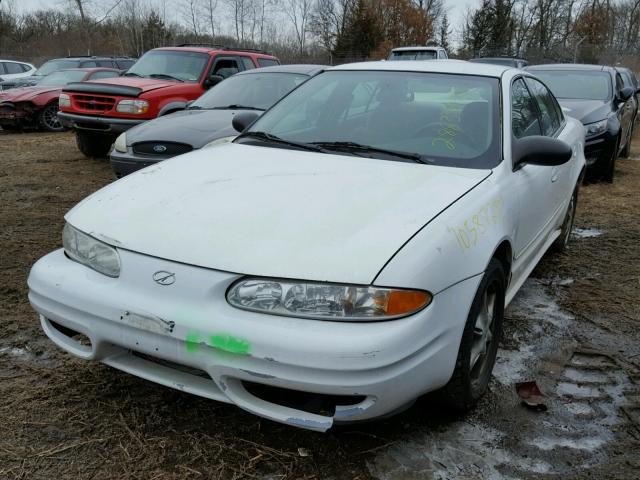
[[595, 95], [207, 119], [506, 61], [629, 79], [351, 250], [418, 53], [11, 70], [161, 82], [118, 63], [38, 106]]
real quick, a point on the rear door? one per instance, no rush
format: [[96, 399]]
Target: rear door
[[227, 65]]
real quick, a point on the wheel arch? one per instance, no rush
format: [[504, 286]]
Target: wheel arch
[[504, 254]]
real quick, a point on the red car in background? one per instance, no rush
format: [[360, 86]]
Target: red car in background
[[162, 81], [37, 106]]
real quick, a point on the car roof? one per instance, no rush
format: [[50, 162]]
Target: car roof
[[417, 47], [302, 69], [88, 69], [211, 50], [570, 66], [436, 66]]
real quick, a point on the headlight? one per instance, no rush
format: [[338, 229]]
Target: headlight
[[220, 141], [120, 144], [88, 251], [137, 107], [64, 100], [325, 301], [595, 128]]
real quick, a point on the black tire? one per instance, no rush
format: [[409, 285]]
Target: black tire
[[560, 245], [605, 169], [48, 118], [626, 151], [93, 145], [470, 380]]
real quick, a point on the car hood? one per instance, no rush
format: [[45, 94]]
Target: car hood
[[273, 212], [25, 94], [194, 127], [145, 84], [587, 111]]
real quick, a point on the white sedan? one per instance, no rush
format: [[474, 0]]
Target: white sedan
[[353, 249]]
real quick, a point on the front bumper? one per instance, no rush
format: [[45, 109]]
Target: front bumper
[[97, 124], [600, 149], [12, 116], [123, 164], [160, 332]]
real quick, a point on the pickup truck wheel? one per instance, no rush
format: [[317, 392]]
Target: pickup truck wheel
[[48, 118], [93, 145], [479, 344]]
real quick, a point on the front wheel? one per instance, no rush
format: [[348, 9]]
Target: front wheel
[[626, 151], [93, 144], [480, 338], [48, 118]]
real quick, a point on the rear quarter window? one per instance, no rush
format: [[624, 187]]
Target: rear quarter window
[[268, 62]]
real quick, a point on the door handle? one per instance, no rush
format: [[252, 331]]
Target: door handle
[[555, 173]]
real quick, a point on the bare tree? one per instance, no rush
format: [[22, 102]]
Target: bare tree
[[210, 7], [299, 12]]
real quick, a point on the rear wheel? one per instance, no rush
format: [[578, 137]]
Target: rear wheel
[[93, 144], [560, 245], [479, 344], [48, 118]]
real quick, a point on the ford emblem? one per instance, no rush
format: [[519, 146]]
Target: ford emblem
[[159, 148]]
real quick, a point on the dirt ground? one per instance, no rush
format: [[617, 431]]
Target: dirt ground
[[574, 328]]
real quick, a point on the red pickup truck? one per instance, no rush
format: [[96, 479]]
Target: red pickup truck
[[162, 81]]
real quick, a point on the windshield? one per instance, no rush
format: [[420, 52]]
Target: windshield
[[251, 90], [54, 66], [62, 78], [413, 55], [438, 118], [169, 64], [577, 85]]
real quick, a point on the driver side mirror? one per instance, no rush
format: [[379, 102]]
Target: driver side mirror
[[540, 150], [243, 119], [625, 93], [213, 80]]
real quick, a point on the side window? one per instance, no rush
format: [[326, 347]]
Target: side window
[[619, 82], [442, 54], [248, 63], [267, 62], [25, 67], [13, 68], [105, 63], [550, 114], [225, 67], [2, 70], [104, 74], [524, 115], [125, 64]]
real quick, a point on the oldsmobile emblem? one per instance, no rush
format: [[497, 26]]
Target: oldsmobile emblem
[[163, 277]]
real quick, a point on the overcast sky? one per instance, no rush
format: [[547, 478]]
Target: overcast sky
[[456, 9]]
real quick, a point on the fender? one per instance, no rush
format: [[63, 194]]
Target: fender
[[172, 107]]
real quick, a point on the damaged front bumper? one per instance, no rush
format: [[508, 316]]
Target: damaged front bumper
[[13, 115], [186, 336]]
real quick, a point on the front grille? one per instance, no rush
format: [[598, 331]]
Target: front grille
[[164, 149], [94, 103]]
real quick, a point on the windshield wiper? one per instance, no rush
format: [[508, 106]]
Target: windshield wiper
[[274, 139], [357, 147], [194, 107], [238, 107], [133, 74], [164, 75]]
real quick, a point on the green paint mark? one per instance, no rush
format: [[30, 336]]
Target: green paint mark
[[231, 344], [192, 340]]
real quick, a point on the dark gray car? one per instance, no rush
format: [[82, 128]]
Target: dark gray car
[[207, 119]]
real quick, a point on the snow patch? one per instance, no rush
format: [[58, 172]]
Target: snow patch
[[586, 232]]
